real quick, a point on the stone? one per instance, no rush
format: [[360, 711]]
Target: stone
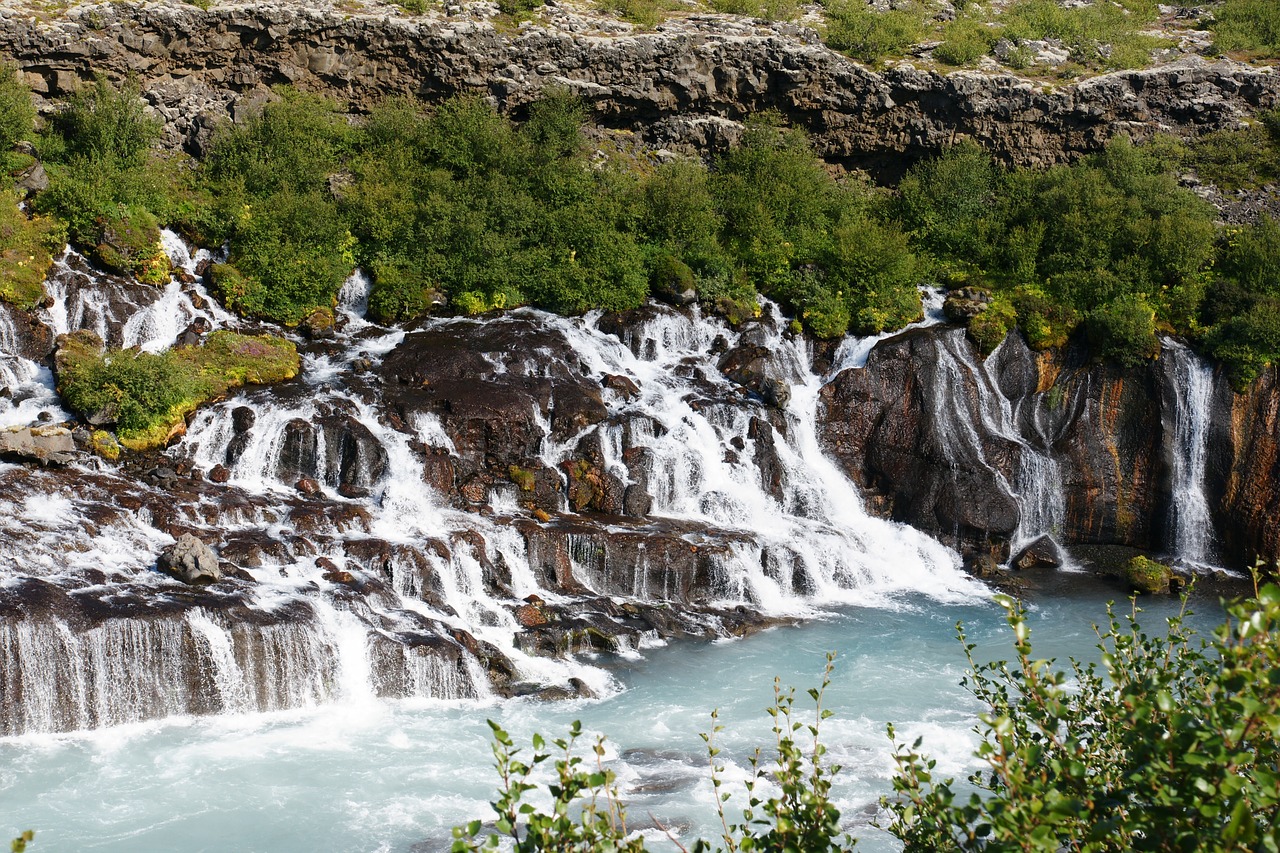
[[46, 445], [1147, 576], [1042, 553], [242, 419], [308, 486], [636, 502], [190, 561]]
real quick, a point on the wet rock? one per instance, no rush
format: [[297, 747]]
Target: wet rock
[[194, 333], [308, 486], [531, 615], [636, 502], [318, 325], [161, 478], [219, 474], [623, 386], [190, 561], [1040, 554], [299, 452]]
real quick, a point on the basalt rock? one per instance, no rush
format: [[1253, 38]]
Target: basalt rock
[[691, 82], [940, 438], [45, 445]]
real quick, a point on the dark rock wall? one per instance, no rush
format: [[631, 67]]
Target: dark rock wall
[[687, 83], [898, 427]]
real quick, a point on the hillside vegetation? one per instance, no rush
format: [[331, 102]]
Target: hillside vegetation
[[460, 205]]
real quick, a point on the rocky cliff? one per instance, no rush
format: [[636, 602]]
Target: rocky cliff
[[689, 82], [993, 453]]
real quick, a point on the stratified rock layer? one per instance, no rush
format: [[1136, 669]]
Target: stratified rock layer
[[689, 82]]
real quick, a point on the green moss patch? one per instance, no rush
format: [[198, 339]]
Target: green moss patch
[[26, 252], [149, 396], [1147, 576]]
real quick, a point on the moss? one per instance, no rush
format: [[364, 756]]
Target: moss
[[26, 253], [149, 397], [104, 444], [130, 244], [522, 477], [991, 327], [1147, 576]]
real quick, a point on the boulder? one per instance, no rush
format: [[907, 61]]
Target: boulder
[[1042, 553], [190, 561], [46, 445]]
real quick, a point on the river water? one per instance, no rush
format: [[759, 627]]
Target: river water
[[396, 775]]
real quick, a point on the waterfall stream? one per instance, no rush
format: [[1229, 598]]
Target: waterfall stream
[[1191, 528]]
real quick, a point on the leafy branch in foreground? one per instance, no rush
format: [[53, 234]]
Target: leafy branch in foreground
[[586, 812], [1171, 745], [19, 844]]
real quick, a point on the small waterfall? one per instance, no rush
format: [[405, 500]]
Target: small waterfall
[[1191, 528], [27, 385]]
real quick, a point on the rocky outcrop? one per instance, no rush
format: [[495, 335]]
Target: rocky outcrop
[[949, 442], [689, 82]]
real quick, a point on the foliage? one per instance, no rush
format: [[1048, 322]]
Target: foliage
[[992, 326], [17, 113], [770, 10], [147, 395], [27, 246], [1252, 26], [1242, 322], [1105, 35], [965, 40], [1112, 239], [868, 35], [1124, 330], [1170, 745], [19, 844], [1241, 159], [106, 182], [800, 816], [586, 813], [645, 14]]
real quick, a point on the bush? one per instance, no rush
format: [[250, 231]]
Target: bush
[[104, 123], [586, 814], [1252, 26], [868, 35], [770, 10], [148, 396], [1105, 35], [965, 41], [1171, 745], [17, 114], [1241, 159], [1124, 330]]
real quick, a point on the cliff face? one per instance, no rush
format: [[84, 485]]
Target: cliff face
[[989, 453], [689, 82]]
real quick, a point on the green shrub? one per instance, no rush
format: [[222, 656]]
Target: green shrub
[[864, 34], [965, 41], [17, 113], [148, 396], [1171, 745], [586, 813], [1105, 35], [989, 329], [1124, 330], [1252, 26], [945, 202], [770, 10], [104, 123], [645, 14], [1240, 159]]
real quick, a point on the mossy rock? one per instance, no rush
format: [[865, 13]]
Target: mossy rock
[[1147, 576], [27, 246], [148, 397], [130, 244], [104, 444]]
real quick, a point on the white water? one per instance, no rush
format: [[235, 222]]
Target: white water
[[1192, 527], [356, 776]]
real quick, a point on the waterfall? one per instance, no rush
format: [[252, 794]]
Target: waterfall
[[1191, 526], [375, 585]]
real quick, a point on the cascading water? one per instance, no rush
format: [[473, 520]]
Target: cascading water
[[1191, 534], [372, 584]]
